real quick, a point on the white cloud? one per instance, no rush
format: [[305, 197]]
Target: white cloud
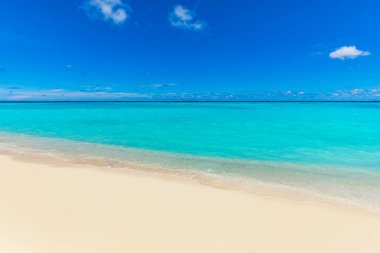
[[69, 95], [114, 11], [184, 18], [348, 52], [159, 85]]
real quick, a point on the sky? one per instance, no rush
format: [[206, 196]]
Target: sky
[[189, 50]]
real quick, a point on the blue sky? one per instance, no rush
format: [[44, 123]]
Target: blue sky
[[189, 49]]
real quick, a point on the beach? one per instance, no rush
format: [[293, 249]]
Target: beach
[[189, 127], [53, 207]]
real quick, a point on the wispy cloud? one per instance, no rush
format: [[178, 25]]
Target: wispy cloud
[[98, 94], [114, 11], [159, 85], [96, 88], [184, 18], [348, 52]]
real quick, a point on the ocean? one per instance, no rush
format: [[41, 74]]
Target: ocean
[[329, 149]]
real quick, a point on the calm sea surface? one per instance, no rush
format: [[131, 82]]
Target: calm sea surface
[[327, 148]]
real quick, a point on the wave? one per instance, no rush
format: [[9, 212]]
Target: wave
[[347, 185]]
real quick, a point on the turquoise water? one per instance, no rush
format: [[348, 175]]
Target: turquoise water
[[315, 145]]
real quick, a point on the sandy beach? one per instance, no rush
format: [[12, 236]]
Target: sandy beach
[[58, 208]]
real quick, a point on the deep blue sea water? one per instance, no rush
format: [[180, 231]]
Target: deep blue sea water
[[330, 148]]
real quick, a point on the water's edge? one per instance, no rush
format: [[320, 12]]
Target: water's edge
[[268, 181]]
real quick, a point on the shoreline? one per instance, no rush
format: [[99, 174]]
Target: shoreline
[[65, 208], [45, 152]]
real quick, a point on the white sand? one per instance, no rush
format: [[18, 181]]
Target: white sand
[[56, 209]]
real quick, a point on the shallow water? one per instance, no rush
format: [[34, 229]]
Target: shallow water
[[328, 148]]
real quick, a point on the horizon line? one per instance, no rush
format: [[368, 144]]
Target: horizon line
[[194, 101]]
